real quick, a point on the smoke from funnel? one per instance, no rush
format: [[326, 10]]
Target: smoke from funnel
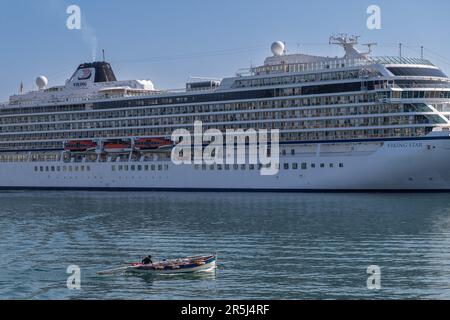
[[91, 39]]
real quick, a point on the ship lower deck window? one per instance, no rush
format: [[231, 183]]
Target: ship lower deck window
[[295, 166], [286, 166], [304, 166], [341, 165], [313, 165]]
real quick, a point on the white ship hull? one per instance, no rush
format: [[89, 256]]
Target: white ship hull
[[381, 166]]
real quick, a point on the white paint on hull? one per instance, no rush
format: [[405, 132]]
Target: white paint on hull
[[409, 165]]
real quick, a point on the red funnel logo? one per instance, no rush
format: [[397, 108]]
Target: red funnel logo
[[85, 74]]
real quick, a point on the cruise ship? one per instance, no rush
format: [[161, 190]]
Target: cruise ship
[[346, 124]]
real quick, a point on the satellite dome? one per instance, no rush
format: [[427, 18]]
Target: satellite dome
[[41, 82], [277, 48]]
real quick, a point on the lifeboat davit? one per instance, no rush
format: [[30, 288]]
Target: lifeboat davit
[[80, 146], [152, 143], [117, 146]]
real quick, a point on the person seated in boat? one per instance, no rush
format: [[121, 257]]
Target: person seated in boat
[[147, 260]]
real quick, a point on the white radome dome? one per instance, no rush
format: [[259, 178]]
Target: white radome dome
[[41, 82], [277, 48]]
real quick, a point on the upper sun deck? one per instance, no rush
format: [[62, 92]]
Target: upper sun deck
[[96, 81], [331, 64]]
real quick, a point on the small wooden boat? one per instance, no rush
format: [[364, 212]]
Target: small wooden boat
[[182, 265]]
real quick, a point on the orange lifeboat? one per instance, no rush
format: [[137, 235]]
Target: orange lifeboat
[[117, 146], [80, 145], [152, 143]]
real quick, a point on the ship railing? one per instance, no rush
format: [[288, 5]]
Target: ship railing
[[95, 97], [330, 64]]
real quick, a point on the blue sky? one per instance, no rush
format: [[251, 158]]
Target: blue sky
[[168, 41]]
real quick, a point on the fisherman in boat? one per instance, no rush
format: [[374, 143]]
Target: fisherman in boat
[[147, 260]]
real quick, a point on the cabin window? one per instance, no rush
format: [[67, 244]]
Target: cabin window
[[304, 166], [113, 168], [139, 168], [295, 166], [322, 165], [286, 166], [341, 165]]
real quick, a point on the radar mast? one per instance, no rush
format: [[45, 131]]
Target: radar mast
[[349, 43]]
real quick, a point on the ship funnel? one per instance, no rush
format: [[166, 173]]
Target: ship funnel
[[92, 73]]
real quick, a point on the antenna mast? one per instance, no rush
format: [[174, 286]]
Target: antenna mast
[[348, 43]]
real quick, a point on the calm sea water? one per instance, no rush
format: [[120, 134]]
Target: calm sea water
[[270, 246]]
